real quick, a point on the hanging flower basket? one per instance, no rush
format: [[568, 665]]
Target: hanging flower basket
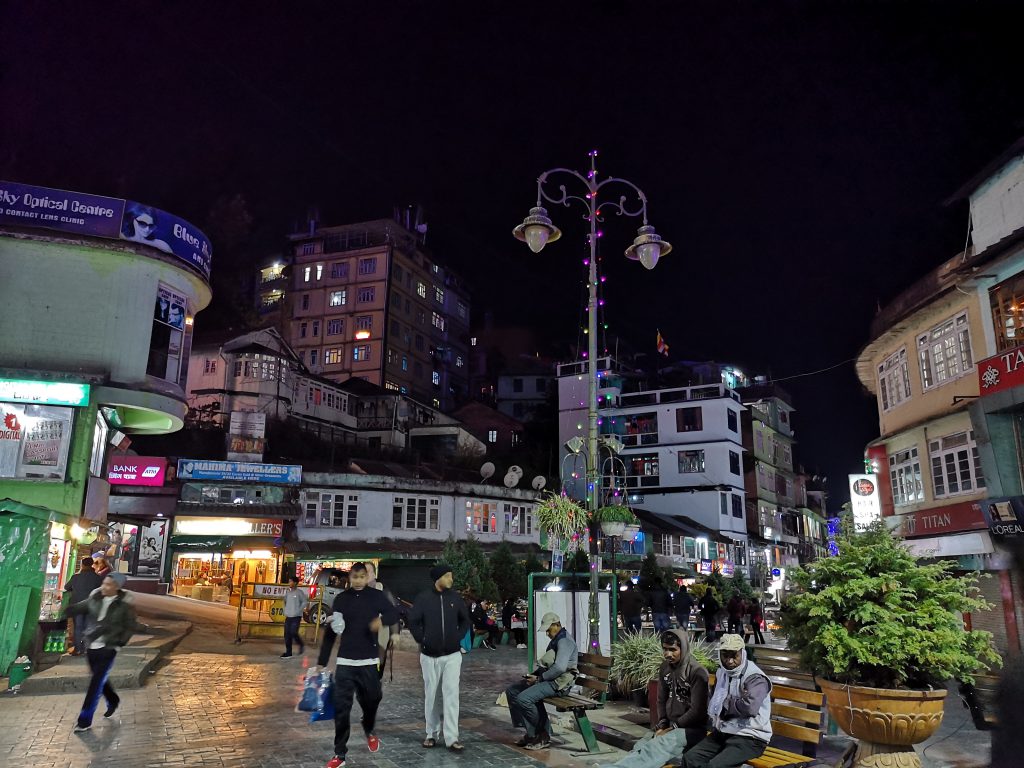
[[562, 518]]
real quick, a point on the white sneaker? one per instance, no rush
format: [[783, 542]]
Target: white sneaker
[[521, 645]]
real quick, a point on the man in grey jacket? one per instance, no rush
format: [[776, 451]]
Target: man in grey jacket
[[295, 600], [556, 674], [740, 711]]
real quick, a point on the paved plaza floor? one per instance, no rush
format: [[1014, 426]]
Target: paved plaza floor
[[237, 709]]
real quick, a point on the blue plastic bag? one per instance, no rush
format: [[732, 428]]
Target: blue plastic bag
[[310, 701], [325, 702], [467, 642]]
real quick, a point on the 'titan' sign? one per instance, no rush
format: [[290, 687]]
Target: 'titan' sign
[[1001, 371]]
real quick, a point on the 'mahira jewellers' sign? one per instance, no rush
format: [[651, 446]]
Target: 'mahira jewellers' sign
[[200, 469], [78, 213]]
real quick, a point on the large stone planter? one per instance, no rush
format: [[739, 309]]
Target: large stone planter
[[887, 722]]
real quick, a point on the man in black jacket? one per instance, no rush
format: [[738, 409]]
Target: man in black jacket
[[80, 586], [113, 618], [439, 620], [359, 613]]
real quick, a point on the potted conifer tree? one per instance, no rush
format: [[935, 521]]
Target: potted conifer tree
[[883, 633]]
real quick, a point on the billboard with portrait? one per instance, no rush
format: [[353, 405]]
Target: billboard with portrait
[[24, 205], [34, 441]]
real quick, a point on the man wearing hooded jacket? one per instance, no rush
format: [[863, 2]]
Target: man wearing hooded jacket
[[740, 711], [438, 621], [682, 706]]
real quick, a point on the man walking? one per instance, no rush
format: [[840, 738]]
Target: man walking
[[358, 615], [438, 621], [295, 600], [110, 608], [557, 674], [80, 586], [683, 604]]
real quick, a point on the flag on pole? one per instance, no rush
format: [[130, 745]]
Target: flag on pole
[[662, 346]]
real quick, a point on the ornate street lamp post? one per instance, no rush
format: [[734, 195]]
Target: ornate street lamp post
[[536, 231]]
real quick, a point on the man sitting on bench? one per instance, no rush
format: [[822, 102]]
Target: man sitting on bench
[[556, 674], [682, 706], [740, 711]]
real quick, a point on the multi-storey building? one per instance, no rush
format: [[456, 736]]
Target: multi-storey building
[[99, 300], [368, 301], [949, 455], [681, 454]]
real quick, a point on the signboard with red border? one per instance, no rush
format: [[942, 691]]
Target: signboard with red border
[[1002, 371]]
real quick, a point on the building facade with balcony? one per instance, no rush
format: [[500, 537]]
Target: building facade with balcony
[[941, 363], [368, 301], [681, 455]]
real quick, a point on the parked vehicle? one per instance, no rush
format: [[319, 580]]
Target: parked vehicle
[[326, 585]]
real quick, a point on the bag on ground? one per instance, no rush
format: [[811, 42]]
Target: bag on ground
[[325, 701]]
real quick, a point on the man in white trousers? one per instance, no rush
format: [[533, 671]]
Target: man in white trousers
[[439, 620]]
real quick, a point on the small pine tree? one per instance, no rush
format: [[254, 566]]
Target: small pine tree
[[469, 567], [650, 571], [508, 573]]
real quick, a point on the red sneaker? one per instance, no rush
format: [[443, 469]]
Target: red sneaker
[[336, 762], [373, 743]]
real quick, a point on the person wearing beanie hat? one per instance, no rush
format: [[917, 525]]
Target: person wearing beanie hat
[[740, 711], [113, 623], [438, 621]]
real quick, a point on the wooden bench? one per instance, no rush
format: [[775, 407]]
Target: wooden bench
[[594, 672], [796, 715]]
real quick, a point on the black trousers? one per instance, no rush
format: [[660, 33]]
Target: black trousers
[[363, 683], [719, 750]]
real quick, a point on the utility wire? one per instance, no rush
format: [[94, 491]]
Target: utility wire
[[814, 373]]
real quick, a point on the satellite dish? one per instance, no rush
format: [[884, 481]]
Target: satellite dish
[[487, 470], [516, 470], [538, 482], [511, 479]]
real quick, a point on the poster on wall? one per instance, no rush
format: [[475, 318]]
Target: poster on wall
[[165, 343], [34, 441], [246, 436], [151, 547]]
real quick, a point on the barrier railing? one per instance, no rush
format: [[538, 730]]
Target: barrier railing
[[266, 601]]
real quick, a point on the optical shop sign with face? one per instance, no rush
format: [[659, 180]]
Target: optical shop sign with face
[[22, 205]]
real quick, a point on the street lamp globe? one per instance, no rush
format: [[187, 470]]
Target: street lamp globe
[[537, 230], [648, 247]]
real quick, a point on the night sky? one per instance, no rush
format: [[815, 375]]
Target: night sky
[[797, 155]]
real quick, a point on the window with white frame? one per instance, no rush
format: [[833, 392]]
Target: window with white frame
[[364, 322], [415, 513], [308, 249], [518, 520], [956, 467], [335, 327], [306, 273], [421, 289], [210, 366], [894, 380], [331, 509], [368, 265], [333, 356], [691, 461], [319, 271], [944, 353], [338, 298], [366, 295], [339, 269], [905, 477], [438, 295], [482, 516], [723, 503], [437, 321], [305, 301], [492, 436], [737, 505], [361, 352], [734, 463]]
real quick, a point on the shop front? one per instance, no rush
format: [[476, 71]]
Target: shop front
[[210, 557]]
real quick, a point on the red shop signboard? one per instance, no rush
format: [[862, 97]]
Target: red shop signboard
[[1002, 371], [965, 516]]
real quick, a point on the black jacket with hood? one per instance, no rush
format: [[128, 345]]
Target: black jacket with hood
[[438, 621], [683, 690]]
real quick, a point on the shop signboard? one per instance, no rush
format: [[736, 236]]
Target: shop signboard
[[34, 441], [44, 392], [1005, 515], [966, 516], [83, 214], [200, 469], [705, 567], [864, 500], [1002, 371], [136, 470], [227, 526], [724, 567]]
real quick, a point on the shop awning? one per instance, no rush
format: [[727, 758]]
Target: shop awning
[[39, 513], [974, 543]]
